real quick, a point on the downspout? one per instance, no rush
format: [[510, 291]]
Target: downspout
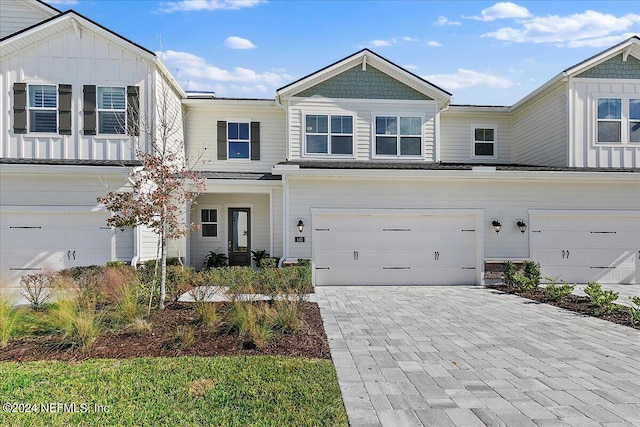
[[286, 115], [445, 107], [136, 249], [285, 190]]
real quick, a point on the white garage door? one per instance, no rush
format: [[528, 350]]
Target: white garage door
[[585, 247], [37, 242], [395, 249]]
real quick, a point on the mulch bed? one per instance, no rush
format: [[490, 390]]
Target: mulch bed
[[309, 340], [579, 304]]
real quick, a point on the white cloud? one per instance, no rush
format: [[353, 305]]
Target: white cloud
[[433, 43], [378, 42], [410, 67], [409, 39], [234, 42], [468, 78], [209, 5], [442, 20], [194, 73], [502, 10], [587, 29], [63, 2]]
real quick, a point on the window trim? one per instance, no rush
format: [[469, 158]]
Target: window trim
[[99, 110], [248, 141], [625, 120], [494, 127], [200, 223], [329, 134], [398, 136], [54, 109]]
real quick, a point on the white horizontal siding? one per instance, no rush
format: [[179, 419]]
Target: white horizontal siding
[[587, 153], [456, 136], [364, 113], [202, 137], [506, 201], [260, 223], [541, 131], [16, 15], [65, 59]]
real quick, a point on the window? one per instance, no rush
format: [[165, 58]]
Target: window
[[329, 134], [398, 136], [634, 120], [609, 120], [209, 222], [111, 110], [484, 142], [238, 139], [43, 108]]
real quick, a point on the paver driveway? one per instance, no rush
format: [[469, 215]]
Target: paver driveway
[[470, 356]]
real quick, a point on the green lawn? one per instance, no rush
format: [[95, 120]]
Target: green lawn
[[184, 391]]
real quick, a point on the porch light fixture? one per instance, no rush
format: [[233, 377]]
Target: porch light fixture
[[521, 225], [300, 225], [496, 225]]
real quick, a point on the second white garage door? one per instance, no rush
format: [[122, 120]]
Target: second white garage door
[[392, 248]]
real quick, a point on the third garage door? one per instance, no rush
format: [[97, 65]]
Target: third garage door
[[378, 248]]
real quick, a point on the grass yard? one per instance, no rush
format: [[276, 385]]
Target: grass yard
[[180, 391]]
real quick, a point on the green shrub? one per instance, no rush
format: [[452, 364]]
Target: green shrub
[[208, 315], [269, 262], [36, 288], [80, 324], [304, 262], [215, 260], [9, 320], [297, 280], [554, 291], [128, 302], [115, 264], [258, 257], [287, 318], [252, 323], [240, 281], [601, 300], [532, 272], [523, 283], [182, 338], [509, 273], [634, 310]]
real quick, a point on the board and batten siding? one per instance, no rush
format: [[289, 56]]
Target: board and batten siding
[[540, 131], [201, 131], [16, 15], [66, 59], [456, 136], [260, 223], [587, 152], [364, 112], [506, 200]]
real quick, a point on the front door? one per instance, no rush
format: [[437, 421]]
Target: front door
[[239, 236]]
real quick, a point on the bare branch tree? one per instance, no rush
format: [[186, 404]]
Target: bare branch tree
[[163, 186]]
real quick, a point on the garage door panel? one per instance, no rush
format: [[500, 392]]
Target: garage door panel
[[394, 277]]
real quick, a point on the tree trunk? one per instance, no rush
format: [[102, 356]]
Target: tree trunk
[[163, 263]]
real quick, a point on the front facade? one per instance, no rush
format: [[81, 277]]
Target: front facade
[[362, 167]]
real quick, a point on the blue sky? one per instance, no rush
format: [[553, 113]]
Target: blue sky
[[487, 53]]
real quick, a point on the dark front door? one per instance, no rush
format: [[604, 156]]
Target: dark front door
[[239, 236]]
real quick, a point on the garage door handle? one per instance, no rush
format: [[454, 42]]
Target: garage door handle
[[563, 254], [436, 255], [355, 255], [74, 254], [68, 254], [567, 254]]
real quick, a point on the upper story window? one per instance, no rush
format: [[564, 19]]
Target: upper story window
[[398, 136], [209, 223], [327, 134], [618, 120], [238, 139], [112, 104], [43, 108], [484, 142]]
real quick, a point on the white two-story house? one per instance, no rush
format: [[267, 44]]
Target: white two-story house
[[363, 167]]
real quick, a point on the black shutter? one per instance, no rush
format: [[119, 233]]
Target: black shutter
[[64, 109], [89, 109], [222, 140], [133, 110], [255, 140], [19, 108]]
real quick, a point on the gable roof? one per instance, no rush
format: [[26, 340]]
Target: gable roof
[[71, 19], [365, 57]]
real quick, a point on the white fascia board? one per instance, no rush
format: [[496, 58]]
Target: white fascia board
[[164, 72], [283, 169], [240, 186], [17, 169], [483, 175], [213, 103], [476, 109]]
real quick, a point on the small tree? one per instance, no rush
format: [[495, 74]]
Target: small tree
[[163, 185]]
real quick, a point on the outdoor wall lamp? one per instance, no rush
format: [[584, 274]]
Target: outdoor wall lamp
[[300, 225], [521, 225], [496, 225]]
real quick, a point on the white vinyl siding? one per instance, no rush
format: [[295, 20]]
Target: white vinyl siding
[[457, 136], [201, 131], [363, 112], [540, 130], [43, 108], [18, 15], [586, 151]]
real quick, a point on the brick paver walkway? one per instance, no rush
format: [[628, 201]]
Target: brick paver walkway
[[469, 356]]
